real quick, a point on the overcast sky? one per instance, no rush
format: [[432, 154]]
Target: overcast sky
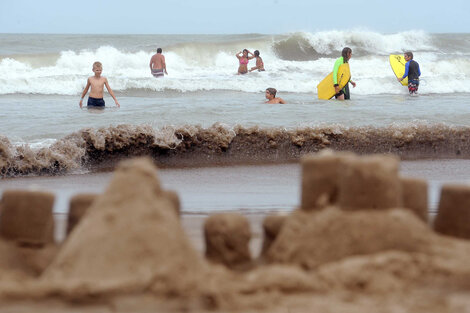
[[230, 17]]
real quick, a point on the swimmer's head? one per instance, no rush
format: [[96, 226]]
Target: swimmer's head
[[256, 53], [271, 91]]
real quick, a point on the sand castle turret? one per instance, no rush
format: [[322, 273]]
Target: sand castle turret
[[369, 182], [415, 196], [26, 217], [453, 218], [79, 205]]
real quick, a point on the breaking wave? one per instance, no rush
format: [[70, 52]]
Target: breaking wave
[[296, 61], [92, 149]]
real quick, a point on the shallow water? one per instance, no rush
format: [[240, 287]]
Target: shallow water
[[39, 119], [204, 114]]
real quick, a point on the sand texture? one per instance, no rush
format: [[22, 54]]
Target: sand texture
[[129, 252]]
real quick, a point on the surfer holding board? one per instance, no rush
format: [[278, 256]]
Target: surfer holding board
[[342, 94], [336, 83], [412, 71]]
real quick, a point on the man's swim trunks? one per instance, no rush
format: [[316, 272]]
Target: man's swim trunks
[[157, 72], [413, 86], [95, 102]]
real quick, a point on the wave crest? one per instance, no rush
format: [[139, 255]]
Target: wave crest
[[190, 145]]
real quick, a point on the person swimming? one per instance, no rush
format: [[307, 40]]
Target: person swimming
[[244, 57], [270, 95]]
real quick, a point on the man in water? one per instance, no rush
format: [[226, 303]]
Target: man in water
[[412, 71], [157, 64]]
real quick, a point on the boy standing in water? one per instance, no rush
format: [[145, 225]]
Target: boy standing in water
[[342, 94], [271, 96], [97, 83], [157, 64], [412, 71]]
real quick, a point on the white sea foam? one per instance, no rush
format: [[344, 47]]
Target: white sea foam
[[294, 63]]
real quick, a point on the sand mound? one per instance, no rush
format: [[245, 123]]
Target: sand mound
[[129, 240], [310, 239]]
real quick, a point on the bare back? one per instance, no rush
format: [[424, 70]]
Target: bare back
[[157, 61], [259, 63]]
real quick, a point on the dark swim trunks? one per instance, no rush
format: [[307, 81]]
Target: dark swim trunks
[[95, 103], [345, 92]]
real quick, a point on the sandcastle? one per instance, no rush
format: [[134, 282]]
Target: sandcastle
[[360, 228]]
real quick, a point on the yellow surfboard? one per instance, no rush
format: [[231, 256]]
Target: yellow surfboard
[[397, 62], [326, 88]]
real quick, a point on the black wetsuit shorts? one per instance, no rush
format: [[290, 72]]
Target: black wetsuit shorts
[[95, 102]]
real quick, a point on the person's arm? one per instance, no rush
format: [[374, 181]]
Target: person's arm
[[250, 57], [407, 68], [238, 55], [419, 71], [281, 101], [335, 74], [164, 65], [84, 92], [111, 92], [151, 64]]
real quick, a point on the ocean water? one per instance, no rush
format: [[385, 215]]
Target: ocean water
[[202, 113]]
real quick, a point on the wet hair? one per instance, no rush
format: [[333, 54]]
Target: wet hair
[[256, 53], [410, 54], [159, 50], [272, 91], [344, 54], [97, 64], [246, 51]]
